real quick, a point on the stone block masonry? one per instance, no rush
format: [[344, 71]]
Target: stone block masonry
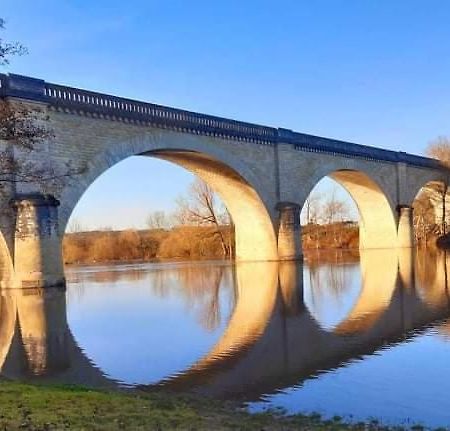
[[263, 174]]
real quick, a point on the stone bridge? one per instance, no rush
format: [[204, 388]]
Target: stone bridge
[[263, 174]]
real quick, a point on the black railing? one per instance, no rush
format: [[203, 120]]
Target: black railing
[[97, 104]]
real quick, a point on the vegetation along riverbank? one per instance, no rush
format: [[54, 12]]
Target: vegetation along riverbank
[[30, 407], [186, 242]]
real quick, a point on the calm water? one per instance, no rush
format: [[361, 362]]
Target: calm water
[[339, 335]]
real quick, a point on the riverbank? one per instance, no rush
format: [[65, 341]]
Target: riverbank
[[31, 407], [187, 243]]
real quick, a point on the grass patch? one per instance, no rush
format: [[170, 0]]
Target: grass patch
[[35, 407]]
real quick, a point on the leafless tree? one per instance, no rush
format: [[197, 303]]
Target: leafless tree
[[24, 130], [158, 220], [312, 208], [75, 226], [439, 149], [8, 49], [423, 217], [334, 209], [201, 207]]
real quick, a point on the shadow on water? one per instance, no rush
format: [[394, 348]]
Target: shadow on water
[[275, 337]]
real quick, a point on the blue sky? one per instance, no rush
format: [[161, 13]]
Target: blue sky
[[372, 72]]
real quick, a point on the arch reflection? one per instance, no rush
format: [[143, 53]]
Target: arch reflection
[[36, 342], [272, 340], [294, 346]]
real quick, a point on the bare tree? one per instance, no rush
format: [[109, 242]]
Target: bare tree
[[312, 208], [75, 226], [158, 220], [439, 149], [334, 209], [8, 49], [202, 207], [423, 217], [25, 129]]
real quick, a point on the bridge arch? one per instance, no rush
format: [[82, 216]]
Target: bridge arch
[[233, 180], [431, 206], [378, 227]]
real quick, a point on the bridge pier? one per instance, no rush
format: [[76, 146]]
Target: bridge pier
[[406, 258], [405, 232], [289, 232], [44, 331], [37, 243], [290, 276]]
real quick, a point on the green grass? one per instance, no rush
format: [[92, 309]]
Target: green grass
[[30, 407]]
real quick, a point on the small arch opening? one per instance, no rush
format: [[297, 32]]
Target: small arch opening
[[431, 209], [353, 208]]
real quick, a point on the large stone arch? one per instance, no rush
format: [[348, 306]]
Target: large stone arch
[[233, 180], [378, 221]]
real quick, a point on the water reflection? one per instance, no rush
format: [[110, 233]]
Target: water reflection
[[273, 341], [272, 332], [36, 342]]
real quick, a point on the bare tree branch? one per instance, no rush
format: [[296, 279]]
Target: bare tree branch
[[201, 207], [8, 49]]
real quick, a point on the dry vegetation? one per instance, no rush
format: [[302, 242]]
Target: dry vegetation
[[185, 242], [339, 235]]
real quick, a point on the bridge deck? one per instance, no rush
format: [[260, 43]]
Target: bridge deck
[[117, 108]]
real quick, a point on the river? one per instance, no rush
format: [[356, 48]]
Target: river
[[359, 337]]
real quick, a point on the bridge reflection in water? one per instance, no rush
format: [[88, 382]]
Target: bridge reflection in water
[[276, 336]]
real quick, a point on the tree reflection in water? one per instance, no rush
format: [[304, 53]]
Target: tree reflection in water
[[273, 339]]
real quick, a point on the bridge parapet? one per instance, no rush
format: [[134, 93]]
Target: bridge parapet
[[100, 105]]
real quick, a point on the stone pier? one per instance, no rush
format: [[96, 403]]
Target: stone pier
[[37, 245], [289, 232], [405, 227]]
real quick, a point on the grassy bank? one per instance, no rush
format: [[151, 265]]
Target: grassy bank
[[29, 407]]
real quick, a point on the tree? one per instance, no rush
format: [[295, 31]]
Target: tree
[[24, 129], [423, 217], [334, 209], [158, 220], [75, 226], [8, 49], [312, 208], [201, 207], [439, 149]]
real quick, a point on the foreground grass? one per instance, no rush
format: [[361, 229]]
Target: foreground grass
[[29, 407]]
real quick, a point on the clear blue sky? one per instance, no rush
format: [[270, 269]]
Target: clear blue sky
[[373, 72]]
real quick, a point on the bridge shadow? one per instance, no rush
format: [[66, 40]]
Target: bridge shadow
[[274, 339]]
